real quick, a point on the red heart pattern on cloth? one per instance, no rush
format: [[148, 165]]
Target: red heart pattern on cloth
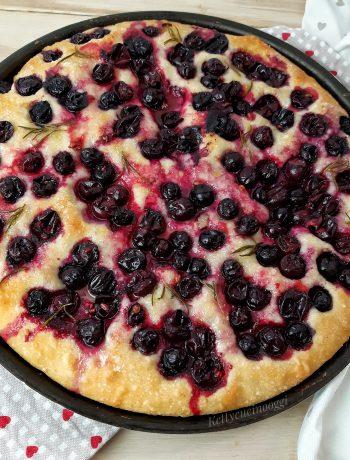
[[4, 421], [285, 35], [31, 450], [334, 72], [95, 441], [67, 414], [309, 53]]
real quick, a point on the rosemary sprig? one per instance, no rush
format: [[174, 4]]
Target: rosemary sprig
[[14, 215], [8, 275], [250, 248], [76, 53], [174, 293], [337, 166], [348, 217], [62, 308], [245, 136], [157, 298], [41, 132], [214, 288], [249, 88], [129, 167], [174, 34]]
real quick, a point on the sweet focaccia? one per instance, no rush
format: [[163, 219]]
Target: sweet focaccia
[[174, 218]]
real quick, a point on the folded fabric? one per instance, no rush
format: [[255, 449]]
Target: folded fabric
[[330, 21]]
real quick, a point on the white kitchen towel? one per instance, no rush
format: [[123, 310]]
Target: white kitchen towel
[[31, 426]]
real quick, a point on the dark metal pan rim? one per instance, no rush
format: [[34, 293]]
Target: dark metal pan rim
[[39, 382]]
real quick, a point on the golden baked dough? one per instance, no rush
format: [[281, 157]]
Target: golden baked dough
[[113, 371]]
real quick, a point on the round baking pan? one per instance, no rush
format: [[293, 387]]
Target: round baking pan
[[136, 421]]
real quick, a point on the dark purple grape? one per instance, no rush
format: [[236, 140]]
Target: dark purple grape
[[288, 244], [138, 47], [143, 239], [301, 98], [123, 91], [214, 67], [103, 282], [180, 261], [202, 101], [313, 125], [72, 276], [320, 298], [6, 131], [170, 191], [51, 55], [199, 267], [231, 270], [177, 326], [182, 209], [57, 85], [207, 372], [85, 253], [146, 341], [267, 255], [248, 225], [308, 152], [99, 33], [173, 362], [64, 163], [240, 319], [247, 176], [201, 343], [141, 283], [41, 113], [267, 171], [189, 286], [336, 146], [283, 119], [171, 119], [222, 125], [136, 315], [27, 86], [12, 188], [194, 41], [20, 250], [91, 156], [189, 140], [249, 345], [257, 297], [344, 124], [103, 73], [152, 149], [38, 302], [212, 240], [227, 209], [153, 221], [161, 249], [151, 31], [108, 100], [233, 161], [293, 266], [329, 265], [217, 45], [153, 98], [80, 38], [32, 161], [342, 243], [88, 190], [298, 335], [271, 341], [45, 186], [75, 101], [293, 305], [262, 137], [236, 291], [46, 225], [106, 307], [104, 172], [295, 170], [202, 195], [181, 240], [266, 106], [344, 278]]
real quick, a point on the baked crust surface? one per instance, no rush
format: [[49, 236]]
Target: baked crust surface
[[114, 373]]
